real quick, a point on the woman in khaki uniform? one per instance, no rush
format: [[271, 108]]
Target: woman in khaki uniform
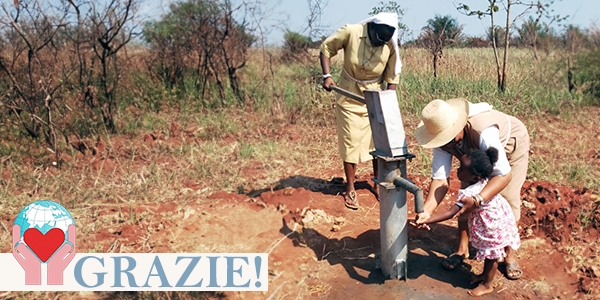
[[453, 127], [370, 59]]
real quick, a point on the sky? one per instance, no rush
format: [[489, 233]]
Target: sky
[[279, 15]]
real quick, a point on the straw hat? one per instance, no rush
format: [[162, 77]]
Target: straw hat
[[441, 121]]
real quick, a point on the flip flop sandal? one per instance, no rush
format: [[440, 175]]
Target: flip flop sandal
[[350, 200], [453, 261], [515, 269]]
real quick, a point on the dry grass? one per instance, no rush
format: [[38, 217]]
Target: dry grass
[[236, 151]]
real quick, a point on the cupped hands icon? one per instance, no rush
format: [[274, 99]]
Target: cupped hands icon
[[50, 248]]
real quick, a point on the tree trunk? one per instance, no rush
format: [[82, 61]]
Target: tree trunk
[[495, 47], [571, 82], [535, 56], [107, 95], [235, 85], [502, 85], [435, 61]]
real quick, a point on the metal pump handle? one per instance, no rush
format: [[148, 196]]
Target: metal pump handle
[[348, 94]]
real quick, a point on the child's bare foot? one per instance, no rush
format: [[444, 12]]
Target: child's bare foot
[[481, 290]]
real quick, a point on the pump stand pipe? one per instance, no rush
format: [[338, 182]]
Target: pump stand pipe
[[393, 213], [391, 153], [413, 189]]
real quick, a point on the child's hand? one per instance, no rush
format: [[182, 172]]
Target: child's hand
[[420, 221], [420, 225], [468, 206]]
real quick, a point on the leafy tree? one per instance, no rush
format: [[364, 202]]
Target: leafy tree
[[439, 33], [574, 39], [587, 73], [295, 46], [202, 40]]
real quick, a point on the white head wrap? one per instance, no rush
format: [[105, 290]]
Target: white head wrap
[[390, 19]]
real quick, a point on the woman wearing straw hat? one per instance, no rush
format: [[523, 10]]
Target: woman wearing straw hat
[[370, 58], [453, 127]]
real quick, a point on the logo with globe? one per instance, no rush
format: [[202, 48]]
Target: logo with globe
[[44, 233]]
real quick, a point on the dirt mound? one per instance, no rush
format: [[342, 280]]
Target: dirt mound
[[560, 213], [568, 217]]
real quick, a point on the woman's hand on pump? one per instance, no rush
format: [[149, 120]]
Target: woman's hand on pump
[[328, 83]]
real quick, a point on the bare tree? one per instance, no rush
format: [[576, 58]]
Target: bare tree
[[111, 29], [258, 13], [234, 56], [30, 63], [314, 26], [491, 10], [593, 34], [54, 49], [533, 28], [528, 34]]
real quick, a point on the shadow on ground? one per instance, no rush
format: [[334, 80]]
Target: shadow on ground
[[356, 254], [335, 186]]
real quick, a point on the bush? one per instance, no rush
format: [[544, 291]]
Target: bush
[[587, 73], [295, 47]]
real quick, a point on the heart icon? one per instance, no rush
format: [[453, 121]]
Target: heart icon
[[44, 245]]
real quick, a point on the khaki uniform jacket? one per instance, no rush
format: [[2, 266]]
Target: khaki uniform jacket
[[362, 62]]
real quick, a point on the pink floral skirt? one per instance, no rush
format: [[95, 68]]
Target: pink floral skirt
[[492, 227]]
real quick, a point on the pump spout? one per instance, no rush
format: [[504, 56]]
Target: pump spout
[[414, 189]]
